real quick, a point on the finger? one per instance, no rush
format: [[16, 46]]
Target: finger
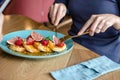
[[101, 24], [59, 15], [94, 25], [107, 24], [51, 11], [55, 8], [87, 24]]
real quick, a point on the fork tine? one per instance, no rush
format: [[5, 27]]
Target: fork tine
[[55, 30]]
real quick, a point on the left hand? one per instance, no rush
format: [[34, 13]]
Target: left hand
[[100, 23]]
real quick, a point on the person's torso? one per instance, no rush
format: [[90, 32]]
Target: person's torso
[[81, 11]]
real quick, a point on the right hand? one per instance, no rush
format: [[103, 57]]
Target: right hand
[[1, 24], [57, 12]]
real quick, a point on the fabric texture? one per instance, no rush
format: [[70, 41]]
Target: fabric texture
[[88, 70], [34, 9]]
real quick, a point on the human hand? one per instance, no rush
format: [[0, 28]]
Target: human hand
[[100, 23], [1, 24], [57, 12]]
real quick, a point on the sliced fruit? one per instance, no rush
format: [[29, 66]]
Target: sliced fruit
[[13, 40], [36, 36], [55, 40], [60, 44], [19, 42], [30, 41]]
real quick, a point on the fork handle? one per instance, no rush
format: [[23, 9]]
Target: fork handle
[[68, 36], [79, 35]]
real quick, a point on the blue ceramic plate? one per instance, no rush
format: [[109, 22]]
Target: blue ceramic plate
[[24, 34]]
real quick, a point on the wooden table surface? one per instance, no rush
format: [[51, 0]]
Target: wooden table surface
[[15, 68]]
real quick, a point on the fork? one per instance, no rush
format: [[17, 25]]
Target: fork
[[55, 30], [69, 37]]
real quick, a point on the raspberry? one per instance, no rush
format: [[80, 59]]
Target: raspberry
[[18, 42], [30, 41], [60, 44], [44, 42]]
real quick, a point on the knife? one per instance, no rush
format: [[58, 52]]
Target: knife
[[69, 37]]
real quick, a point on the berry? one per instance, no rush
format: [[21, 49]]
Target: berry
[[30, 41], [44, 42], [60, 44], [18, 42]]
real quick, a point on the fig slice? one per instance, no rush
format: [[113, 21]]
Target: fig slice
[[36, 36]]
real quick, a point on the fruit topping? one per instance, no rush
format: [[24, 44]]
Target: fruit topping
[[36, 36], [60, 44], [30, 41], [12, 40], [44, 42], [56, 40], [18, 42]]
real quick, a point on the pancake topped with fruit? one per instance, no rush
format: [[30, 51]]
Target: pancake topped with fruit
[[36, 44]]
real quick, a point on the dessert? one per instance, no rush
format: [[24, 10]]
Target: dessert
[[36, 44]]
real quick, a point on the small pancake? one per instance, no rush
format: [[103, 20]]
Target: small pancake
[[30, 48], [17, 48], [39, 46], [56, 48]]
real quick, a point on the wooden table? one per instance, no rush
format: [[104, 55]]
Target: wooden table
[[15, 68]]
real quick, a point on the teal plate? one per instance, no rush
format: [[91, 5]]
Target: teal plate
[[24, 34]]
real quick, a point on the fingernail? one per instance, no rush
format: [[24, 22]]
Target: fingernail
[[79, 33], [56, 23]]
